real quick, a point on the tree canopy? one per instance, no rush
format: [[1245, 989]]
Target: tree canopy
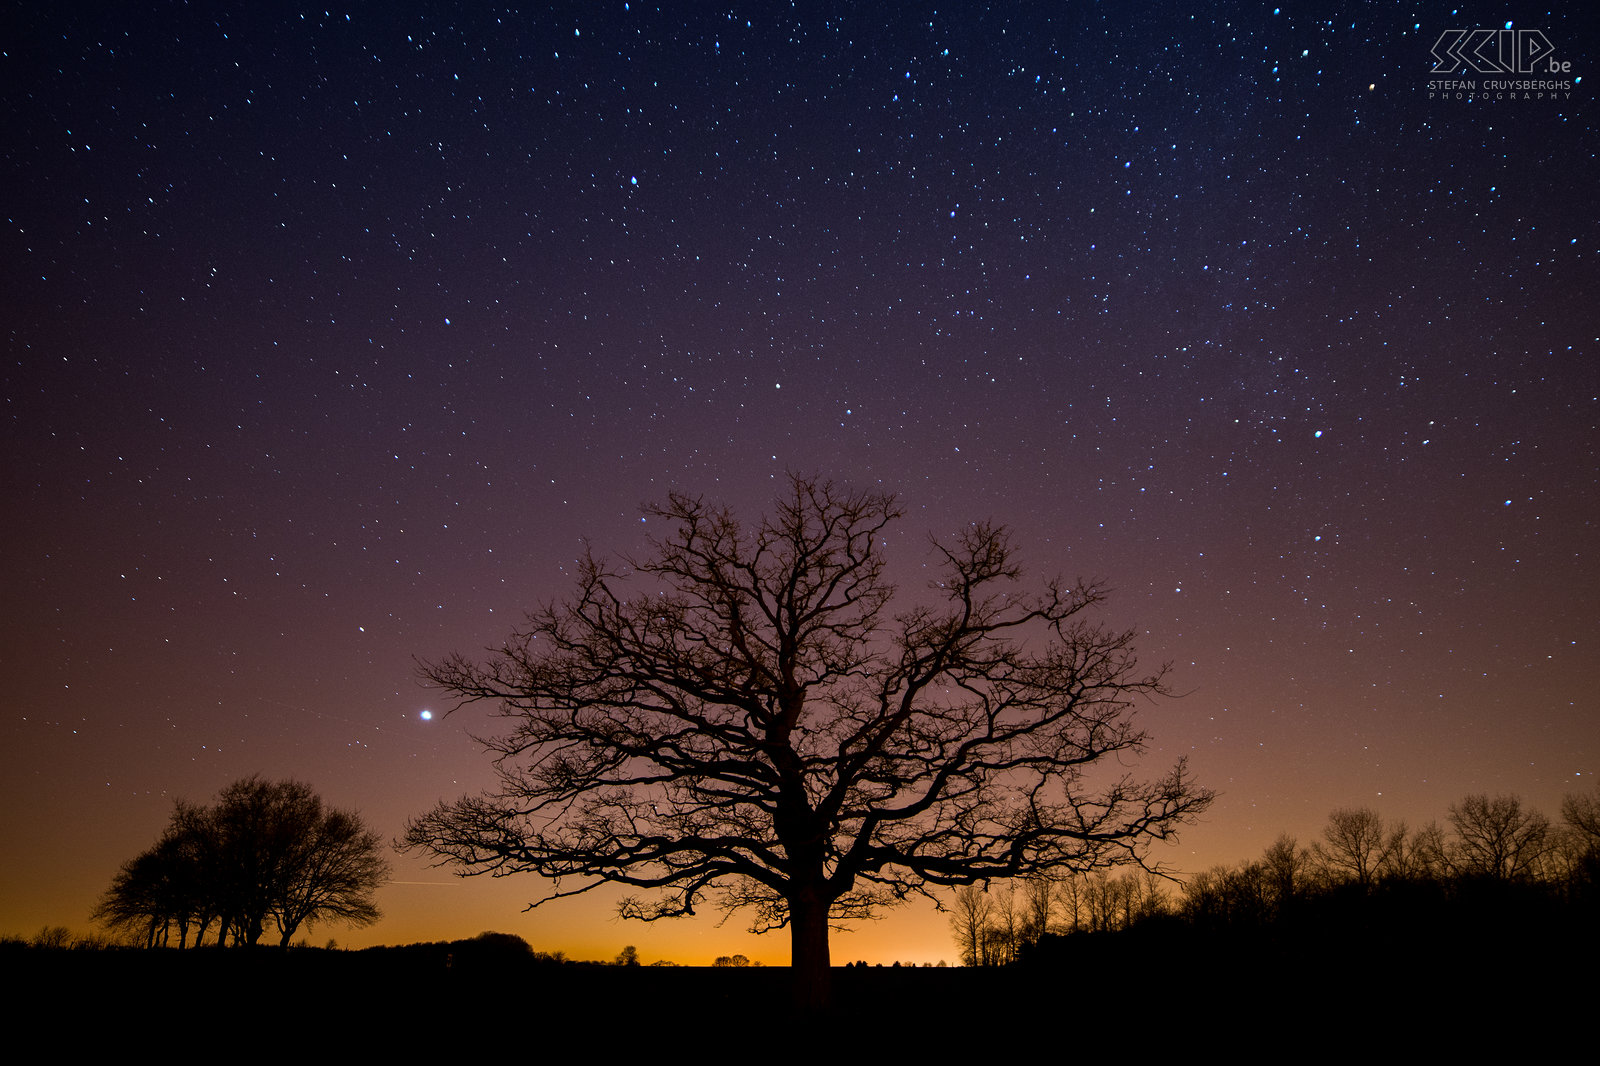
[[740, 714], [265, 851]]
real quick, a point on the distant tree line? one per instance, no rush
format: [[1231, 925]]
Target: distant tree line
[[994, 924], [1491, 852], [58, 938], [265, 852]]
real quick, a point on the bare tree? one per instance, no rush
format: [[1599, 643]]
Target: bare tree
[[1354, 845], [1497, 838], [1286, 867], [1005, 931], [1580, 841], [1153, 897], [969, 920], [1422, 855], [1070, 894], [1581, 812], [1104, 896], [749, 719], [329, 875], [1204, 903], [1131, 898], [1038, 899], [138, 905], [997, 945], [1228, 897], [165, 889]]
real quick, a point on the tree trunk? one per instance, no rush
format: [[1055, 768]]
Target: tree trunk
[[808, 953]]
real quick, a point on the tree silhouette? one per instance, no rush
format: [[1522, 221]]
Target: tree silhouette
[[1581, 812], [1286, 867], [142, 899], [1356, 845], [969, 921], [740, 714], [329, 875], [266, 851], [168, 888], [1038, 900], [1497, 838]]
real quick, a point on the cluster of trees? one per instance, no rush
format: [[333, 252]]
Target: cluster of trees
[[58, 938], [1486, 843], [266, 851], [995, 924]]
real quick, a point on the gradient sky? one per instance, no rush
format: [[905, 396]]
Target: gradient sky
[[331, 333]]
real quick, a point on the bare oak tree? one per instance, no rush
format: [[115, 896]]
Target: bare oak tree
[[740, 714]]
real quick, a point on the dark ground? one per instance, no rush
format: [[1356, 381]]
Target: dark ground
[[1101, 996]]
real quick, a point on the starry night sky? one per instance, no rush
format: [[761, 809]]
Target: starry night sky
[[332, 333]]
